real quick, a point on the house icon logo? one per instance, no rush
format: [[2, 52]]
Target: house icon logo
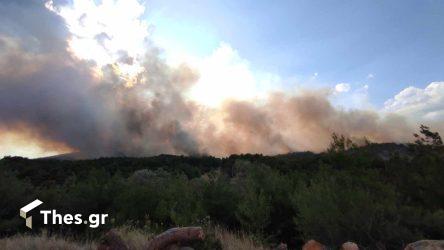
[[26, 209]]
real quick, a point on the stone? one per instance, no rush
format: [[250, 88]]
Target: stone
[[313, 245], [177, 247], [349, 246], [175, 236], [426, 245]]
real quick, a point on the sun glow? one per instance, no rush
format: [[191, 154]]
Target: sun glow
[[25, 142], [110, 32], [115, 32], [225, 75]]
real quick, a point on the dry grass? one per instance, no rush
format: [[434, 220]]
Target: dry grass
[[136, 239], [236, 241], [42, 242]]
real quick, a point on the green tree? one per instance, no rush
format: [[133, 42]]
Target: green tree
[[427, 137], [340, 144]]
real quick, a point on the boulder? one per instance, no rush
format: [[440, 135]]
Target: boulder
[[313, 245], [176, 236], [426, 245], [349, 246], [177, 247]]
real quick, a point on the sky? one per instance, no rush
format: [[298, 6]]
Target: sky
[[166, 76], [388, 45]]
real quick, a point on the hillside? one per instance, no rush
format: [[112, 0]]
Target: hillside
[[378, 194]]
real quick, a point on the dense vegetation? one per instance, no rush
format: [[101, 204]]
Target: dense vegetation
[[376, 195]]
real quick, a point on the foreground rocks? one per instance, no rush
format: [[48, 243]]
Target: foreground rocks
[[349, 246], [179, 238], [426, 245], [172, 239], [176, 236], [313, 245], [418, 245]]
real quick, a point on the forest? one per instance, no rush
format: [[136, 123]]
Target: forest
[[374, 194]]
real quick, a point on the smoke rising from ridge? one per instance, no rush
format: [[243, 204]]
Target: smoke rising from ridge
[[44, 88], [286, 123]]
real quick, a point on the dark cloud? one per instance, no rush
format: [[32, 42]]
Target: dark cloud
[[101, 38], [125, 58], [38, 30]]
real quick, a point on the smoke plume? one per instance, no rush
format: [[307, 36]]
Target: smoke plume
[[63, 101]]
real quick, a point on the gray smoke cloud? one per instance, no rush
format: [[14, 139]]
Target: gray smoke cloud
[[45, 89], [286, 123]]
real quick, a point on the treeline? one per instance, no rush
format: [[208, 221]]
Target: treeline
[[376, 194]]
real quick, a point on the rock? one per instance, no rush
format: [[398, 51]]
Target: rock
[[112, 241], [177, 247], [349, 246], [426, 245], [176, 236], [313, 245]]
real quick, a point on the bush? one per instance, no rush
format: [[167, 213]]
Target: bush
[[379, 194]]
